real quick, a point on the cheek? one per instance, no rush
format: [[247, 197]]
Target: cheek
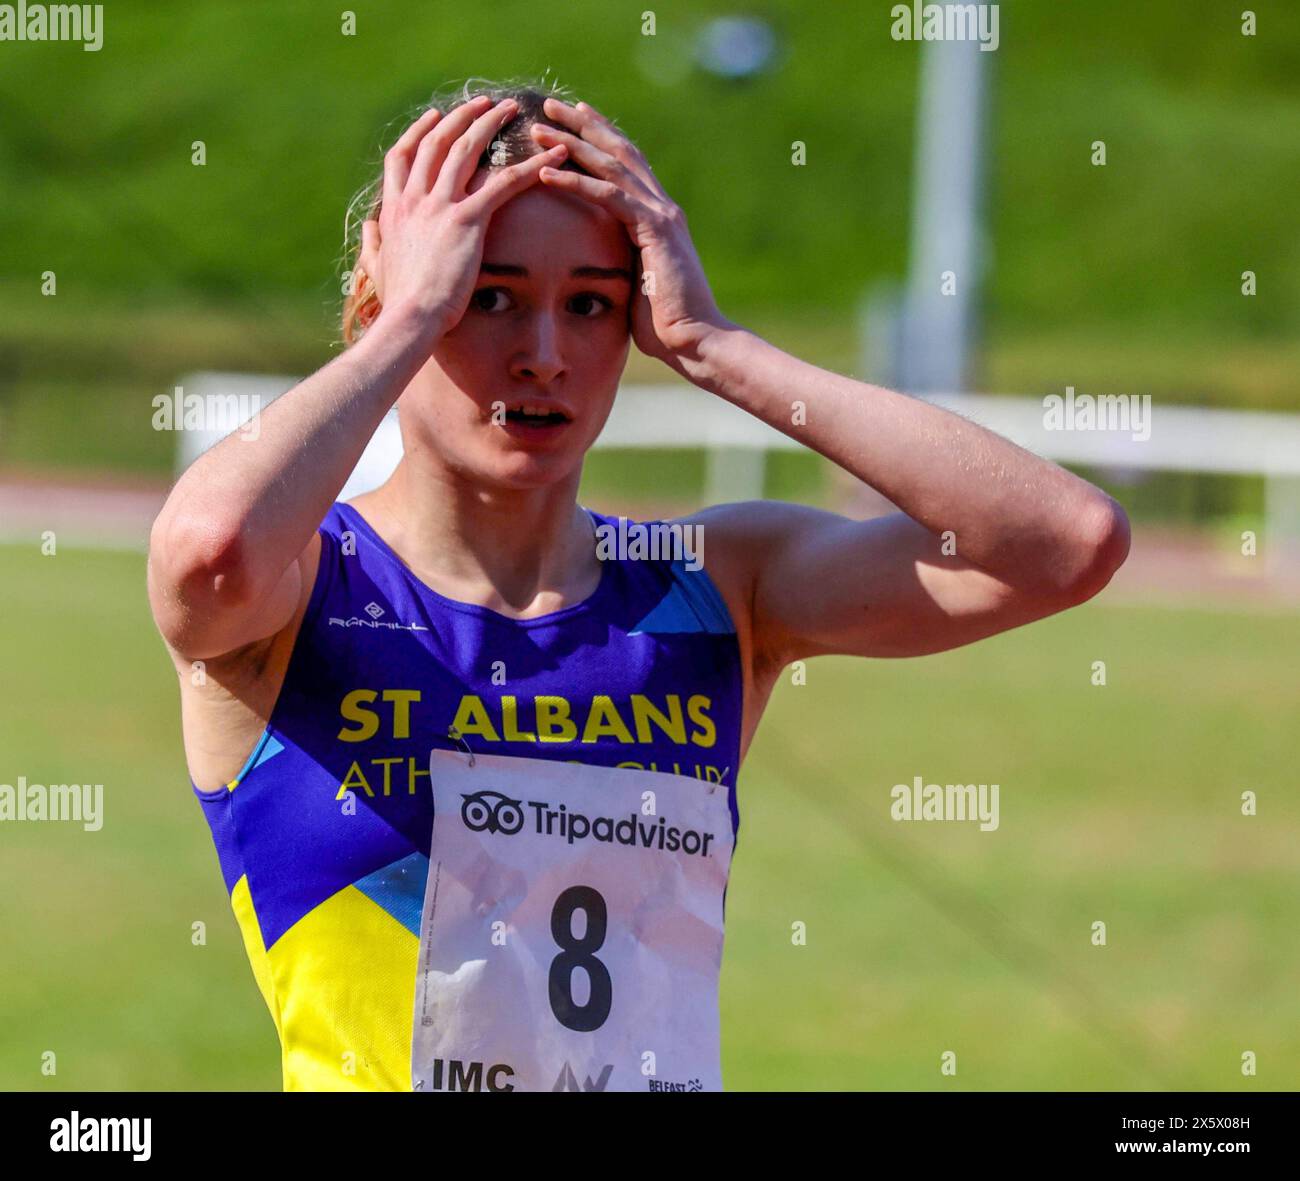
[[607, 335], [470, 353]]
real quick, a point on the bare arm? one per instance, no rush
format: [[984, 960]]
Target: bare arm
[[990, 536], [226, 552]]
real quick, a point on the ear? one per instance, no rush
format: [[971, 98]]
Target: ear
[[368, 310], [368, 257]]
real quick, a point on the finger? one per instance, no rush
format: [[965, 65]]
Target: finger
[[398, 158], [591, 125], [587, 112], [465, 153], [434, 146], [587, 109], [593, 159], [604, 193], [505, 183]]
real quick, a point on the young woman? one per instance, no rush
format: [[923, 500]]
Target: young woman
[[456, 643]]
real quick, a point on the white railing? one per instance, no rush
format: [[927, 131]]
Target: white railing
[[1180, 438]]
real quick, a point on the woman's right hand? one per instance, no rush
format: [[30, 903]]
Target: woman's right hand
[[424, 251]]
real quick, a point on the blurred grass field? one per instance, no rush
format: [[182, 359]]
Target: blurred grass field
[[1118, 803]]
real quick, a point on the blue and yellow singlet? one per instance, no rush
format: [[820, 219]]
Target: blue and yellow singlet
[[323, 836]]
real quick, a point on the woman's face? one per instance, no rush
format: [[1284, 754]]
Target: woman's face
[[547, 328]]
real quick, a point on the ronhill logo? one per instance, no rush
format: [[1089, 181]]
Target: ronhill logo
[[376, 612]]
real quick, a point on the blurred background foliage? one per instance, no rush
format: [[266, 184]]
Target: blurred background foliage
[[1124, 278]]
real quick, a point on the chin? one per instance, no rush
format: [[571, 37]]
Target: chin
[[522, 471]]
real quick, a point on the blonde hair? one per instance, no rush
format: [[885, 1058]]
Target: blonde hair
[[513, 144]]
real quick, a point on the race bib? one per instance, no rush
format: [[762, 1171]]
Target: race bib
[[571, 934]]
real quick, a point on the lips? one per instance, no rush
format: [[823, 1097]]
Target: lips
[[538, 413], [534, 418]]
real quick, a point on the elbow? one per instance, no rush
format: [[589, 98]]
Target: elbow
[[1100, 544], [195, 570], [197, 552]]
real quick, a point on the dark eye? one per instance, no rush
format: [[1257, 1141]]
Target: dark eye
[[589, 304], [485, 299]]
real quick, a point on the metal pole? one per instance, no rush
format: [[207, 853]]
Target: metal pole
[[937, 328]]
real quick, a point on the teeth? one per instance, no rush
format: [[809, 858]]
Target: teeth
[[535, 410]]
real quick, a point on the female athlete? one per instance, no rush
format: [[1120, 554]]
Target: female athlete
[[468, 642]]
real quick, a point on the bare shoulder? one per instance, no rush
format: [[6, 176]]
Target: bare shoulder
[[738, 538], [732, 541], [760, 554]]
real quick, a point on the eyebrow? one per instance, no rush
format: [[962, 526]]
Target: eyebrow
[[497, 268]]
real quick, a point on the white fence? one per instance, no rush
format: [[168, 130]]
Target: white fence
[[1180, 438]]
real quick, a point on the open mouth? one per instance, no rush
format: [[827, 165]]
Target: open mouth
[[535, 415]]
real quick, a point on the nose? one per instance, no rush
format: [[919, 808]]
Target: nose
[[538, 355]]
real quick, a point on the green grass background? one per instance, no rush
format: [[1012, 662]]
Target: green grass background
[[1118, 279], [1119, 803]]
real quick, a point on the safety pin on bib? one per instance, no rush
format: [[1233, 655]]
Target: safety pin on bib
[[456, 736]]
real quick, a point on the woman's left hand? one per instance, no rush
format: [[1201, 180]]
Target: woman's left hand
[[673, 310]]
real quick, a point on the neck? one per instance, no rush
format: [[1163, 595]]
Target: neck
[[521, 553]]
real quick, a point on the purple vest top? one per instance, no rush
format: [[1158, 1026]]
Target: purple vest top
[[644, 673]]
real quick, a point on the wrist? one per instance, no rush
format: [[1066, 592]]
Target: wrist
[[404, 334], [716, 358]]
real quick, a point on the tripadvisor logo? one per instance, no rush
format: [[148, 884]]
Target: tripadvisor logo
[[652, 541], [491, 811]]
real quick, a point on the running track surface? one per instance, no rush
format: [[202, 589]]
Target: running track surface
[[1178, 567]]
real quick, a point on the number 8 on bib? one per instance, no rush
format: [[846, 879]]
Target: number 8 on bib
[[571, 934]]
